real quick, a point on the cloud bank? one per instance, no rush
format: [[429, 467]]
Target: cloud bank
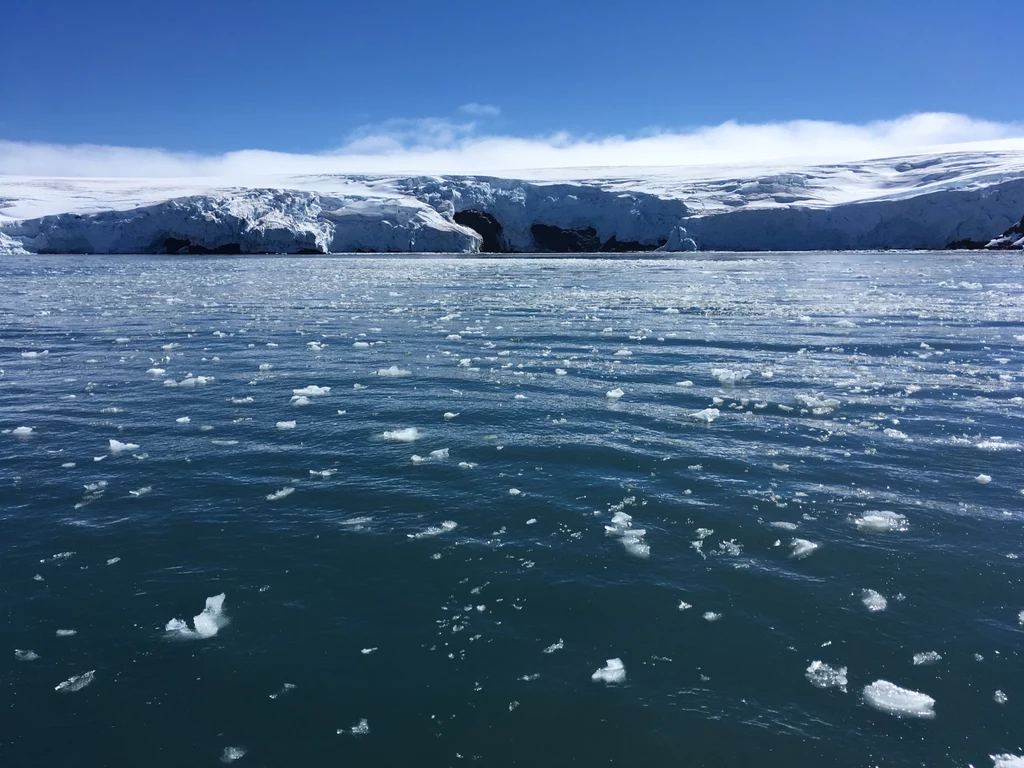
[[441, 145]]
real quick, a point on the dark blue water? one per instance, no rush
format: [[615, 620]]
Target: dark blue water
[[422, 597]]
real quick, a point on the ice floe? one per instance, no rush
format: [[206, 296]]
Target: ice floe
[[285, 425], [230, 754], [881, 522], [614, 394], [66, 632], [22, 431], [614, 671], [434, 530], [406, 435], [555, 646], [706, 416], [312, 391], [288, 491], [393, 372], [890, 698], [207, 624], [438, 455], [21, 655], [873, 601], [801, 548], [632, 538], [821, 675], [76, 682], [117, 447], [983, 479], [928, 657]]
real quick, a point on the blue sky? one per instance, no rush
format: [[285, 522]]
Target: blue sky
[[309, 76]]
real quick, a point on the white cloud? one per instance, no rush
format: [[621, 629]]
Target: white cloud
[[437, 145], [480, 110]]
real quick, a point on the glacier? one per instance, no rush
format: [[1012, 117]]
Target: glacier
[[934, 201]]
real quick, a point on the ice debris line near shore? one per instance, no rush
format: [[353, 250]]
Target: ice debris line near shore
[[961, 199]]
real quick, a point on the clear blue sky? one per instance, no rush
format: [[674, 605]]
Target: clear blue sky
[[302, 75]]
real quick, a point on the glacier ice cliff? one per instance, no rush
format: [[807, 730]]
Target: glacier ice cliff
[[963, 199]]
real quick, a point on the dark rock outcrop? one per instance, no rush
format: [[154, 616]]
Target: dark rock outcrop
[[547, 237]]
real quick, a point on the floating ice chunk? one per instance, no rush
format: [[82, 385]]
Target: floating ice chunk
[[76, 682], [284, 689], [230, 754], [406, 435], [1007, 761], [300, 400], [434, 530], [928, 657], [1020, 618], [361, 728], [67, 632], [561, 372], [784, 525], [684, 606], [819, 405], [821, 675], [312, 391], [555, 646], [281, 493], [874, 601], [901, 702], [467, 465], [846, 324], [686, 383], [156, 371], [242, 400], [531, 521], [999, 698], [623, 353], [712, 616], [519, 397], [983, 479], [439, 454], [113, 560], [68, 465], [22, 431], [285, 425], [393, 372], [707, 416], [21, 655], [361, 345], [881, 521], [614, 394], [207, 623], [324, 473], [31, 355], [614, 671], [801, 548], [514, 492], [183, 420], [264, 367], [368, 651], [729, 376], [448, 416]]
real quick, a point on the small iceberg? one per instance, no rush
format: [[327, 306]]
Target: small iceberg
[[614, 671], [76, 682], [117, 447], [890, 698], [207, 623]]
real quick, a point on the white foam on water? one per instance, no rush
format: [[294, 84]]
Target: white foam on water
[[801, 548], [242, 400], [928, 657], [821, 675], [21, 655], [285, 425], [312, 391], [67, 632], [281, 493], [207, 623], [284, 689], [434, 530], [76, 682], [707, 416], [393, 372], [890, 698], [183, 420], [613, 672], [874, 601], [406, 435], [983, 479], [881, 522], [361, 728], [230, 754], [555, 647], [22, 431], [819, 405], [614, 394]]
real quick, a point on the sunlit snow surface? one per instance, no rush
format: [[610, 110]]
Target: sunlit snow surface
[[857, 399]]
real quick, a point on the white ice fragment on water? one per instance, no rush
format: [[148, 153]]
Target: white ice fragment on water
[[312, 391], [928, 657], [801, 548], [141, 491], [281, 493], [183, 420], [561, 372], [1020, 618], [434, 530], [438, 455], [784, 525], [819, 405], [730, 376], [1001, 698], [242, 400], [68, 465], [707, 416], [76, 682], [264, 367], [1007, 761], [284, 689], [67, 632], [821, 675], [207, 623], [514, 492], [845, 324], [230, 754], [614, 671], [632, 538], [895, 434], [686, 383], [394, 372], [881, 522], [448, 415], [324, 473], [614, 394], [113, 560], [31, 355], [519, 397], [467, 465], [368, 651], [623, 353], [285, 425], [555, 646], [22, 431], [361, 728], [684, 606], [406, 435], [21, 655], [361, 345], [712, 616], [300, 400], [156, 371], [890, 698], [874, 601], [983, 479]]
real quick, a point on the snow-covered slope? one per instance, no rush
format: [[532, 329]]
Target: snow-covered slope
[[916, 202]]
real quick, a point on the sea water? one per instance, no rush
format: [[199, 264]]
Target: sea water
[[755, 510]]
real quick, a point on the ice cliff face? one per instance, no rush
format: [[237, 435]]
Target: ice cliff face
[[936, 201]]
